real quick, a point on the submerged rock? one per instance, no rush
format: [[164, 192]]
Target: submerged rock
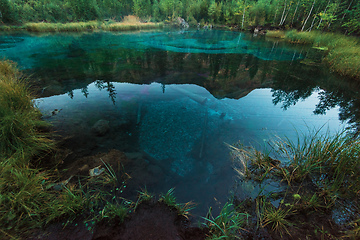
[[101, 127]]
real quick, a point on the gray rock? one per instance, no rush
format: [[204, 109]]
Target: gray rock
[[101, 127]]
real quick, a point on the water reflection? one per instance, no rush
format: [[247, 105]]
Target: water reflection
[[228, 64], [179, 132]]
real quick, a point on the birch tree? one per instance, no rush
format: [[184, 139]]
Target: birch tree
[[302, 29]]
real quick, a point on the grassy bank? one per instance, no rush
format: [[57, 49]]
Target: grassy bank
[[320, 177], [343, 53], [30, 196], [26, 199], [129, 23]]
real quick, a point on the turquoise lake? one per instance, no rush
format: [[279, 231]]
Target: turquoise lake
[[178, 97]]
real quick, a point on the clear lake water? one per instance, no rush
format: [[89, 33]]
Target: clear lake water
[[177, 97]]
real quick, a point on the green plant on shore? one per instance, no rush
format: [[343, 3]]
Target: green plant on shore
[[19, 119], [89, 26], [114, 210], [143, 196], [227, 224], [321, 170], [170, 200], [27, 196], [275, 217], [328, 160], [343, 52]]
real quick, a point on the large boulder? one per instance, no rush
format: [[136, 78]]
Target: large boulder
[[101, 127]]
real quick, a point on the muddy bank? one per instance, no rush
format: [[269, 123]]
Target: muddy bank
[[151, 220]]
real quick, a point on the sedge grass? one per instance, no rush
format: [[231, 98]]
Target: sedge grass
[[321, 170], [169, 199], [328, 160], [276, 218], [227, 224]]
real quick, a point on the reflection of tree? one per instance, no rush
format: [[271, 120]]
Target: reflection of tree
[[348, 103], [292, 83], [290, 97], [224, 75], [109, 87], [71, 94], [85, 91]]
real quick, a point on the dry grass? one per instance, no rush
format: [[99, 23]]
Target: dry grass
[[128, 23]]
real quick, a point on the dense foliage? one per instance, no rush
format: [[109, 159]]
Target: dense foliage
[[301, 14]]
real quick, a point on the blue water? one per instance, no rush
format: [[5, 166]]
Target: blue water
[[178, 97]]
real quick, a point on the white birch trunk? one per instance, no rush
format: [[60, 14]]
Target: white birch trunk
[[242, 24], [282, 16], [292, 21], [302, 29], [342, 19], [324, 13]]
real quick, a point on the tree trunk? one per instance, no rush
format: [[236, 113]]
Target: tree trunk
[[292, 21], [283, 21], [282, 16], [324, 13], [342, 19], [302, 29], [313, 21], [242, 24]]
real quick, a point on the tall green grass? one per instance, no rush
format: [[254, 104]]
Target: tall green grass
[[343, 51], [330, 161], [26, 197], [227, 224], [20, 121], [89, 26]]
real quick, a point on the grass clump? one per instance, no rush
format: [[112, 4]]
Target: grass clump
[[275, 34], [321, 172], [227, 224], [327, 160], [170, 200], [276, 218]]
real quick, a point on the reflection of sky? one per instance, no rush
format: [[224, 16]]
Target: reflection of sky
[[26, 49]]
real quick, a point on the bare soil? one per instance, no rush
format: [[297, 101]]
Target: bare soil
[[153, 221]]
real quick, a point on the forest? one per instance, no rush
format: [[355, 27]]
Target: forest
[[305, 15]]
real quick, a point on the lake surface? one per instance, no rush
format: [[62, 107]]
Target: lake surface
[[177, 97]]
